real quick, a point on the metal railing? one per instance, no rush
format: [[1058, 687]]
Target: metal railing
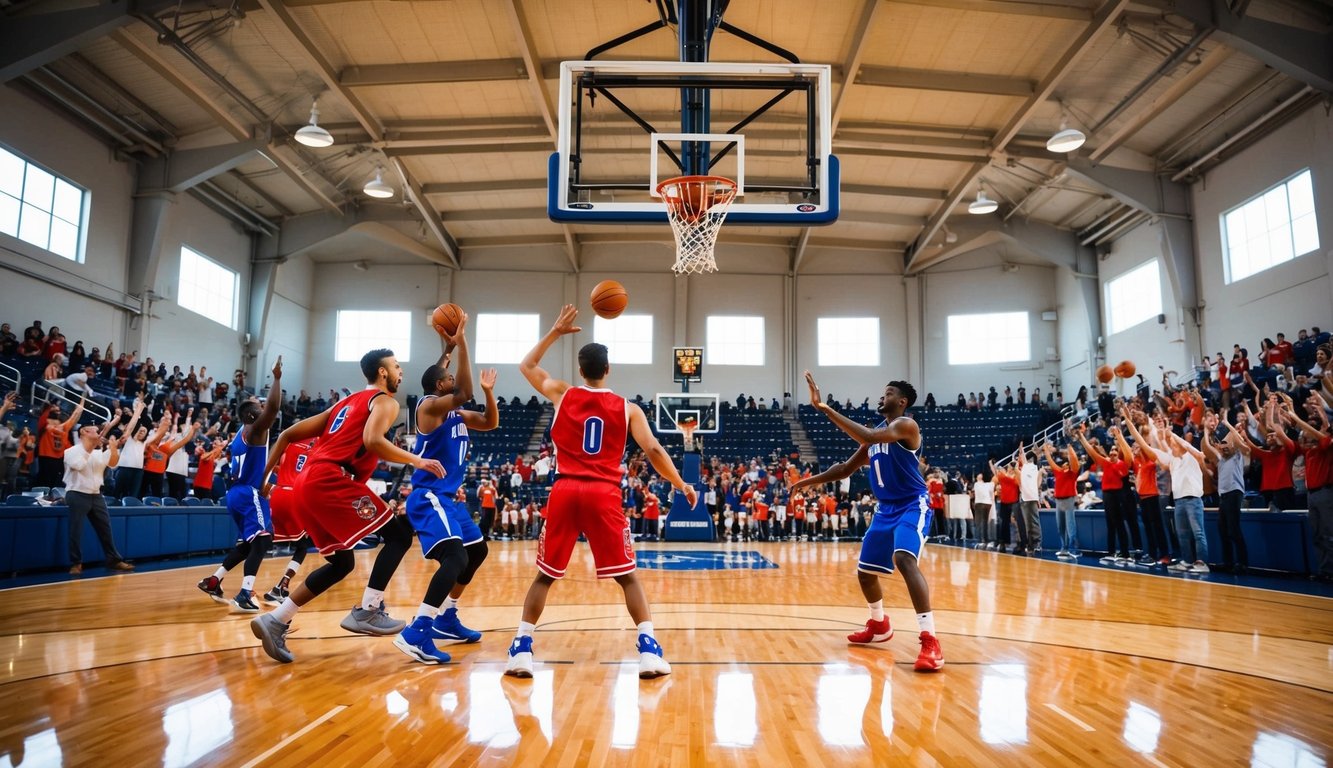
[[1068, 415], [48, 391], [10, 374]]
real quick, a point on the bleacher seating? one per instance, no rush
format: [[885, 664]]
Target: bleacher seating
[[511, 438]]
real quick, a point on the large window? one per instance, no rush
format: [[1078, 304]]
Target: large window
[[998, 337], [1272, 228], [506, 338], [41, 208], [207, 288], [734, 340], [628, 337], [848, 341], [360, 331], [1133, 297]]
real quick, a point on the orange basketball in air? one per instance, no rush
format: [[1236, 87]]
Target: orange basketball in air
[[447, 316], [1125, 369], [1105, 374], [609, 299]]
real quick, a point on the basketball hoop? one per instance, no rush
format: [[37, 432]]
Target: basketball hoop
[[696, 208], [687, 435]]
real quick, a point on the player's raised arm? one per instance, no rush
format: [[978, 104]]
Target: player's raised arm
[[490, 418], [537, 376], [837, 471], [657, 455], [439, 407], [259, 429], [383, 411], [898, 430]]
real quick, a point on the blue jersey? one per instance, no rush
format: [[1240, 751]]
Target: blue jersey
[[895, 472], [447, 444], [247, 461]]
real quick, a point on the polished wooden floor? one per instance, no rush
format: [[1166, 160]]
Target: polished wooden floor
[[1047, 664]]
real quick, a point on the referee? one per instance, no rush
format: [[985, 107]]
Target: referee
[[85, 465]]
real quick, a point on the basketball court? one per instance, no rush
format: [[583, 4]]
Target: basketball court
[[732, 175]]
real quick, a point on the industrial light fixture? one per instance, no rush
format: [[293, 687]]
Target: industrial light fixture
[[311, 134], [377, 187], [1066, 139], [982, 204]]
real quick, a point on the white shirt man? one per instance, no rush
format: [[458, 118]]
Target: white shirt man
[[78, 382], [542, 468], [85, 466]]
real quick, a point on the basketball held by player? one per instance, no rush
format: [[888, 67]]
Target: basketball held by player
[[443, 524], [895, 539], [336, 507], [590, 431]]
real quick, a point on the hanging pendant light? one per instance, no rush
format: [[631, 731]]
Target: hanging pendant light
[[1066, 139], [377, 187], [982, 204], [311, 134]]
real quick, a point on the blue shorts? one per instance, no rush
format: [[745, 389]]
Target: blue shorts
[[897, 527], [249, 511], [437, 518]]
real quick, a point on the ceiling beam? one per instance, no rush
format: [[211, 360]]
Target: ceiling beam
[[1103, 20], [879, 217], [468, 243], [935, 80], [153, 58], [852, 68], [431, 72], [1071, 11], [539, 185], [495, 214], [802, 244], [847, 243], [1164, 101], [913, 192], [32, 40], [412, 191]]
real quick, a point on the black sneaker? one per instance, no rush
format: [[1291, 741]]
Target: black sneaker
[[275, 596], [213, 588], [245, 602]]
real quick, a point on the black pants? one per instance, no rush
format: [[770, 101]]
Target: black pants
[[1228, 523], [487, 522], [50, 472], [1284, 498], [1117, 535], [1129, 512], [128, 480], [93, 507], [1152, 524], [1008, 511], [152, 484], [176, 486]]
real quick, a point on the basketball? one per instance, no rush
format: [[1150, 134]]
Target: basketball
[[447, 316], [609, 299], [1125, 369], [1105, 374]]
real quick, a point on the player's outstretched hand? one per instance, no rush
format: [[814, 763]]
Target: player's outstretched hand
[[488, 379], [691, 495], [432, 466], [815, 398], [458, 336], [565, 322], [277, 369]]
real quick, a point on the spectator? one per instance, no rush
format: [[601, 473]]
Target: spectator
[[31, 346], [83, 466], [1145, 482], [54, 345], [1231, 457], [961, 402], [1115, 498], [983, 499], [9, 448], [1007, 480], [992, 398], [1186, 466], [54, 440], [203, 476], [1022, 393], [1029, 495], [77, 357], [178, 461], [54, 373], [1317, 446], [27, 452], [1276, 456], [9, 343]]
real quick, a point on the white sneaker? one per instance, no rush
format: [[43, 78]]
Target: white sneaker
[[1108, 560], [1179, 567], [1199, 567], [651, 663], [520, 658]]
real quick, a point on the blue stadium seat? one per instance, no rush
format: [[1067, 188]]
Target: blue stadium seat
[[167, 501], [131, 501], [19, 500], [191, 501], [152, 501]]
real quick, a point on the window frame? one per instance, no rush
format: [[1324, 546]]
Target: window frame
[[80, 226], [234, 322], [712, 344], [1228, 268], [402, 352], [949, 331], [1111, 330]]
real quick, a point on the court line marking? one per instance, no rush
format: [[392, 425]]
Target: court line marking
[[309, 727], [1151, 758], [1070, 717]]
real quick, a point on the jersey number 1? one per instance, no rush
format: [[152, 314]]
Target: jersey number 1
[[592, 436]]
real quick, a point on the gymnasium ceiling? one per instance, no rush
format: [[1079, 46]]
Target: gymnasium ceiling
[[453, 99]]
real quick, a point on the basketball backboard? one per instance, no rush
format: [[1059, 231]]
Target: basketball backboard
[[622, 129], [674, 408]]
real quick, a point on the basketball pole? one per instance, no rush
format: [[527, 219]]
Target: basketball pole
[[695, 31]]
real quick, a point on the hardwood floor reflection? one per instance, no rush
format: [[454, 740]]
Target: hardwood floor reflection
[[1047, 664]]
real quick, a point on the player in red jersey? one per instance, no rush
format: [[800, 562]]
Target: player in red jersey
[[283, 515], [336, 507], [590, 430]]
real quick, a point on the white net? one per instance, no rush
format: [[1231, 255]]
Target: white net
[[696, 207]]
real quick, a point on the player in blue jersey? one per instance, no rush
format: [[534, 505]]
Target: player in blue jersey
[[444, 526], [248, 507], [892, 451]]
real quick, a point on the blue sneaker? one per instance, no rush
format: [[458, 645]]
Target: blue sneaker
[[651, 663], [415, 642], [244, 602], [520, 658], [447, 627]]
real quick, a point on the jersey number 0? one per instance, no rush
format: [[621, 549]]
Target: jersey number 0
[[592, 436]]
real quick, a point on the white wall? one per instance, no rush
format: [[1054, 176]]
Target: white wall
[[868, 295], [51, 141], [1289, 297], [975, 283], [1148, 344], [1074, 338]]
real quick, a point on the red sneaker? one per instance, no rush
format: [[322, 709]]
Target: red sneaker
[[875, 632], [931, 658]]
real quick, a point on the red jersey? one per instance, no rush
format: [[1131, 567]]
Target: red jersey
[[203, 477], [1277, 467], [936, 490], [1317, 464], [651, 508], [1145, 473], [342, 442], [1008, 489], [1065, 482], [487, 495], [1114, 474], [590, 430], [293, 461], [760, 510]]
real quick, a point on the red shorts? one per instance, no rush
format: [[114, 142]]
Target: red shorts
[[334, 509], [282, 514], [593, 509]]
